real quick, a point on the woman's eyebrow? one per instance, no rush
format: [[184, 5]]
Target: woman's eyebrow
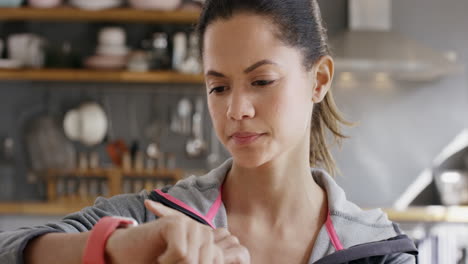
[[258, 64], [247, 70]]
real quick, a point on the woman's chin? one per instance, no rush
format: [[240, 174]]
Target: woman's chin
[[250, 161]]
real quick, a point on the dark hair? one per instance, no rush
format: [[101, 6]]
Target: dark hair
[[299, 24]]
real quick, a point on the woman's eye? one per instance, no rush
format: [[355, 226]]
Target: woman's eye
[[262, 83], [218, 89]]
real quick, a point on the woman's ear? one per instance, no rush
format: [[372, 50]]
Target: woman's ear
[[323, 75]]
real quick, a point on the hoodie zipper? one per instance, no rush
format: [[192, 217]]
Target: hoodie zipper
[[158, 198]]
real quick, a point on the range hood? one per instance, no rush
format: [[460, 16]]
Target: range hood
[[371, 47]]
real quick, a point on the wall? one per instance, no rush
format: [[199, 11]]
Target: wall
[[403, 126], [20, 101]]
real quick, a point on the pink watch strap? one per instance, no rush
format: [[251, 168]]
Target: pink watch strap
[[96, 244]]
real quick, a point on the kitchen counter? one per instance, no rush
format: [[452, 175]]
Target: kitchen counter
[[453, 214]]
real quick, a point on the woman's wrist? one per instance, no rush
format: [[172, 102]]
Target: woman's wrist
[[48, 248], [113, 245]]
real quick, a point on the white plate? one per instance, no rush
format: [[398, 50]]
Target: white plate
[[9, 64]]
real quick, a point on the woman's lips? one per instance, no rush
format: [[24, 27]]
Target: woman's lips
[[244, 138]]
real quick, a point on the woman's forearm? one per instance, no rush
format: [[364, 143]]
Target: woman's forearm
[[56, 248]]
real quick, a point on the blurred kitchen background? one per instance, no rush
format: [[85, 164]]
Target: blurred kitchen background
[[105, 97]]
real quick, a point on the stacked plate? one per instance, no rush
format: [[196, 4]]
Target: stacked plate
[[111, 52]]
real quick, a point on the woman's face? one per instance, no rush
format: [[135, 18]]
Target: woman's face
[[259, 94]]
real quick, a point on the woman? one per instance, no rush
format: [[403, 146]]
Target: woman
[[268, 74]]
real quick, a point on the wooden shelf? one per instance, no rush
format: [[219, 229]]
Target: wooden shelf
[[40, 208], [83, 75], [113, 15], [455, 214]]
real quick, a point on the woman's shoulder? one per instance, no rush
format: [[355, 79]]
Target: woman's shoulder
[[353, 224]]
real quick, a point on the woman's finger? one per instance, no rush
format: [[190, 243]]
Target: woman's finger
[[220, 234], [218, 256], [159, 209], [236, 255], [176, 239], [195, 241], [207, 253], [228, 242]]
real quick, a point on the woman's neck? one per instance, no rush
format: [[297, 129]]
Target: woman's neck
[[272, 193]]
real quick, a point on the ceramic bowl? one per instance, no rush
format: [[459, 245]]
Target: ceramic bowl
[[44, 3], [95, 5], [112, 36], [164, 5]]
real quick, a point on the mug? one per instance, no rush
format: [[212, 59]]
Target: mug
[[27, 49]]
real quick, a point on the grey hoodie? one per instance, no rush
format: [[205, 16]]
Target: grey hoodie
[[349, 234]]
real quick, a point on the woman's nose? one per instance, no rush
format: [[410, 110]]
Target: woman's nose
[[240, 107]]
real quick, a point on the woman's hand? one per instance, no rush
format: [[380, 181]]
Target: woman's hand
[[173, 238], [233, 251]]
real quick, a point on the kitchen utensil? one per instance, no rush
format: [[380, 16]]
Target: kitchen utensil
[[171, 161], [153, 134], [93, 160], [139, 162], [138, 61], [452, 186], [87, 124], [192, 64], [93, 123], [214, 158], [116, 151], [179, 50], [7, 170], [166, 5], [83, 161], [47, 145], [184, 110], [127, 161], [1, 47], [71, 124], [196, 145], [157, 48], [44, 3]]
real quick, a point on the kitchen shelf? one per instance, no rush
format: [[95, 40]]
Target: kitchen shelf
[[113, 15], [84, 75], [451, 214], [40, 208]]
